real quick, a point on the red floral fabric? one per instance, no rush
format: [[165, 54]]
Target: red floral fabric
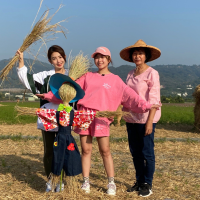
[[82, 119]]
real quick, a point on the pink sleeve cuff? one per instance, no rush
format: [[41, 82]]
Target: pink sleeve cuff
[[52, 98]]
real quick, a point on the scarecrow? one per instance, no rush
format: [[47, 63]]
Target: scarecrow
[[66, 153]]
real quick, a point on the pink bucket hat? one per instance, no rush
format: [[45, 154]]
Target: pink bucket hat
[[102, 50]]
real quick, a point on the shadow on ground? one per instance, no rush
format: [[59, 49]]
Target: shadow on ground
[[29, 170]]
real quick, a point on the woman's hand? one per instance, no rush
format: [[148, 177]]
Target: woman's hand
[[148, 127], [149, 124], [21, 58], [41, 96], [156, 106]]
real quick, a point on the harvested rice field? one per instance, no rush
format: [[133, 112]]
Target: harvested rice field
[[177, 173]]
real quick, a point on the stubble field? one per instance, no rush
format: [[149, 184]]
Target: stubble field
[[177, 174]]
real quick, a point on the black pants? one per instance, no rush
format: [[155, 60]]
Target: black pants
[[48, 140], [142, 151]]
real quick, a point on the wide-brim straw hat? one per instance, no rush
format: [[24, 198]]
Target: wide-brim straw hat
[[155, 52], [57, 80]]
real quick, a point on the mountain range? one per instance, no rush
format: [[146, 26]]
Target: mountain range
[[175, 79]]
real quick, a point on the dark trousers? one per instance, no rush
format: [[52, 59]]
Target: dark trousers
[[142, 151], [48, 140]]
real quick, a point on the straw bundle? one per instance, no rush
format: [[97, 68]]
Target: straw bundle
[[40, 31], [108, 114], [196, 96], [67, 92], [119, 117], [25, 111], [79, 66]]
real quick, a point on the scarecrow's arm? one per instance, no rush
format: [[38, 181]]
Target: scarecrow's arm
[[52, 98], [48, 118], [134, 102], [82, 119]]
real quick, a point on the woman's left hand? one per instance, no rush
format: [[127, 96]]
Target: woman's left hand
[[148, 128]]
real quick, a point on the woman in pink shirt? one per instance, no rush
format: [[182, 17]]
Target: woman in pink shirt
[[141, 126]]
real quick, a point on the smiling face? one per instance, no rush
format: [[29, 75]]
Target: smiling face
[[139, 56], [57, 60], [101, 61]]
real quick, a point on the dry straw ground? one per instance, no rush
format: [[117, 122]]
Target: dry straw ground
[[177, 173]]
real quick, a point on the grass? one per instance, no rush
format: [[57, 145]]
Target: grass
[[177, 115], [9, 116], [172, 114], [20, 137]]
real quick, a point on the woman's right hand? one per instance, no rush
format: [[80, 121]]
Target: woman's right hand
[[41, 96], [21, 58], [157, 106]]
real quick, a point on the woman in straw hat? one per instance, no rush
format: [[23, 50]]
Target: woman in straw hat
[[141, 126], [38, 84]]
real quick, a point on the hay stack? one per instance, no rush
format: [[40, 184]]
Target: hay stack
[[196, 96]]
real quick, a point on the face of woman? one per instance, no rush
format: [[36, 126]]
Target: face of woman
[[139, 57], [57, 60], [101, 61]]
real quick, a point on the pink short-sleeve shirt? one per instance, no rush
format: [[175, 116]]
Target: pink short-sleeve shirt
[[147, 86]]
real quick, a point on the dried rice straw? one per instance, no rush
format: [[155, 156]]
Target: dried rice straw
[[79, 65], [67, 92], [40, 31], [108, 114], [25, 111], [196, 96]]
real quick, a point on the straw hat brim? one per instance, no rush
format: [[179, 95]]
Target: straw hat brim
[[155, 52], [57, 80]]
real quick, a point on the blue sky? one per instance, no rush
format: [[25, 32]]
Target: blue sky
[[173, 26]]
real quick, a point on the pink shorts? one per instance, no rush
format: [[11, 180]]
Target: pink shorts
[[98, 128]]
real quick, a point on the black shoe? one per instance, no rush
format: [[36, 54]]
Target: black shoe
[[134, 188], [145, 190]]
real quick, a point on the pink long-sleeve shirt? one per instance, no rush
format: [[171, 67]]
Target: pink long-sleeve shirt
[[147, 86], [108, 92]]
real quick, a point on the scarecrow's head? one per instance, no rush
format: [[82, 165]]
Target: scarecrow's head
[[67, 93], [63, 87]]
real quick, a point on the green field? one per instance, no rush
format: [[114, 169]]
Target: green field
[[170, 114], [177, 114], [9, 116]]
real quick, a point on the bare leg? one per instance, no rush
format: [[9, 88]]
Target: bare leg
[[104, 149], [86, 146]]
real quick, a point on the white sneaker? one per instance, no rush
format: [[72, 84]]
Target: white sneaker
[[86, 187], [49, 188], [111, 189], [58, 187], [48, 184]]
